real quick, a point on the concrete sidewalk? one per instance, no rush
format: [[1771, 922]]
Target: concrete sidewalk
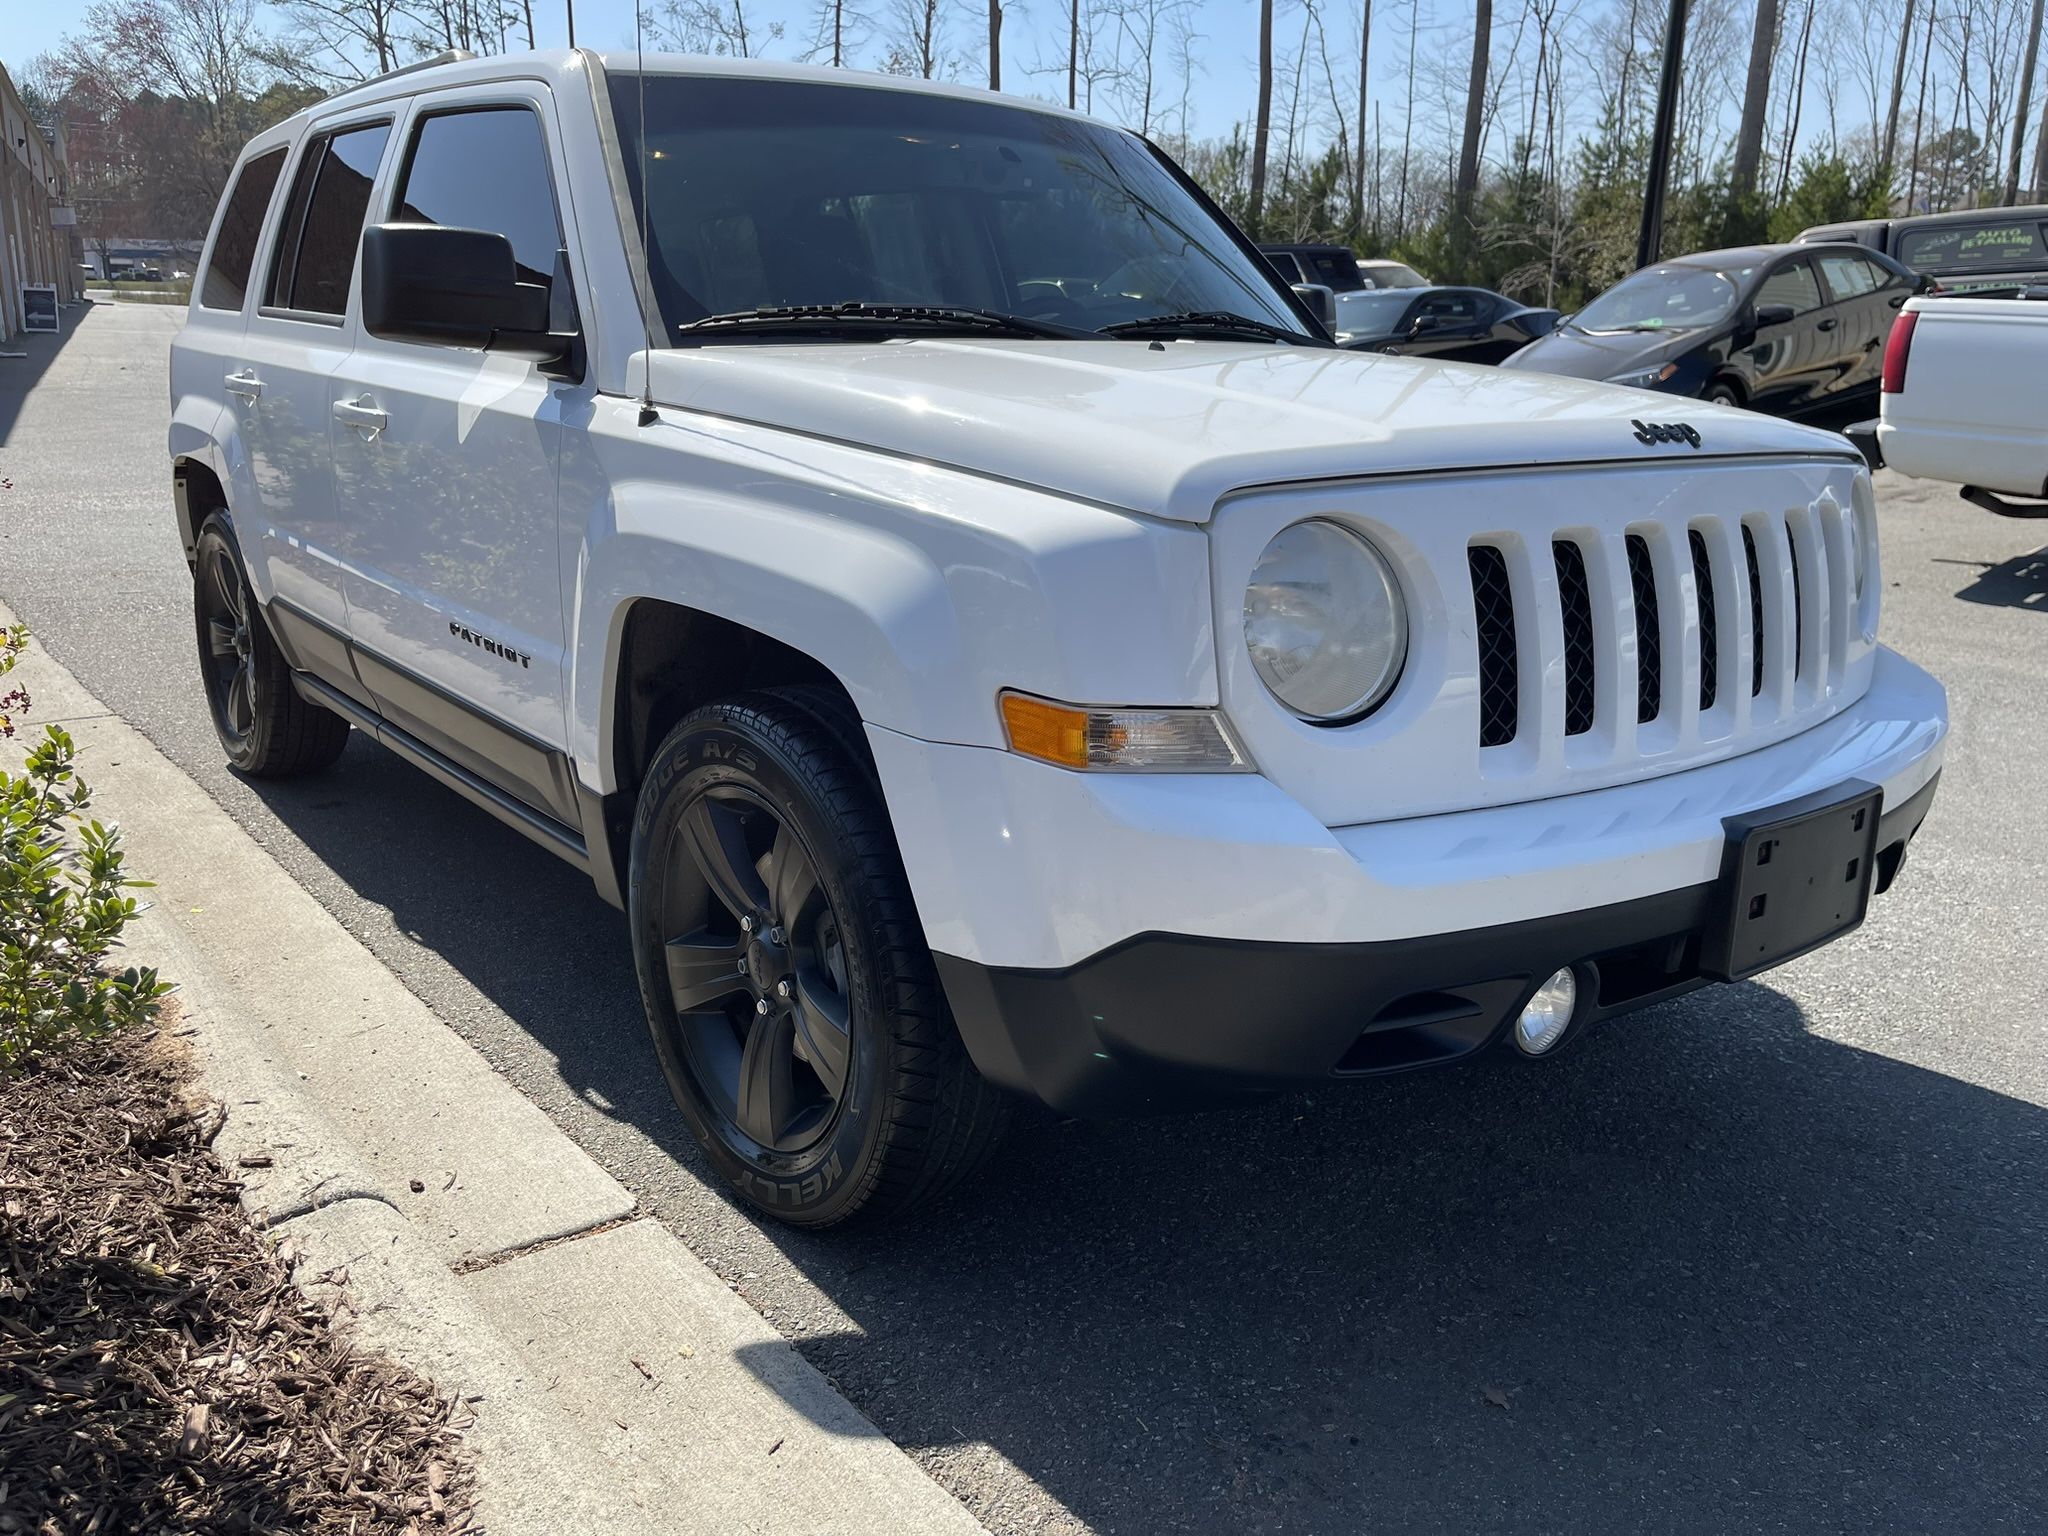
[[618, 1385]]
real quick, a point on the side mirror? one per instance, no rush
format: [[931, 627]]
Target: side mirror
[[455, 288], [1774, 314], [1423, 323], [1321, 301]]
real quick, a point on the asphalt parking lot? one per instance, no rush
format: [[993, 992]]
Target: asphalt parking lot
[[1773, 1258]]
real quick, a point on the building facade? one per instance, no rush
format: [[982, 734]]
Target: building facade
[[39, 241]]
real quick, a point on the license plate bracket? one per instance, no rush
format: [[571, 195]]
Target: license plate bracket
[[1793, 876]]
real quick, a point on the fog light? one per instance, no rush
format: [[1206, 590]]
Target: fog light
[[1543, 1023]]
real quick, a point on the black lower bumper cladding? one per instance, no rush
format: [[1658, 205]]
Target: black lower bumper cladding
[[1167, 1021]]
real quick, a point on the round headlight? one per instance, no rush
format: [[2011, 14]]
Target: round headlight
[[1324, 621]]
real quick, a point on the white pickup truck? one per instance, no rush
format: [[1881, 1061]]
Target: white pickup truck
[[906, 545], [1965, 398]]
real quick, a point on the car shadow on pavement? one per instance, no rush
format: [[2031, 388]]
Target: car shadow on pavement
[[1707, 1270], [2021, 582]]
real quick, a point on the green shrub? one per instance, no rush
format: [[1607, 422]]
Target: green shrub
[[61, 901]]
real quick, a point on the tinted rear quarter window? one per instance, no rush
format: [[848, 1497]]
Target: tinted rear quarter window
[[1990, 246], [234, 248], [323, 223], [487, 169]]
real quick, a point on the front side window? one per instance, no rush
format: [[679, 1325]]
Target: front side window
[[323, 223], [766, 193], [485, 169], [1792, 284], [241, 225]]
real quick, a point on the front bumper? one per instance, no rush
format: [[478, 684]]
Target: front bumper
[[1169, 1021], [1111, 941]]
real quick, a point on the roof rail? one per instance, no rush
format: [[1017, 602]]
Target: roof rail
[[445, 56]]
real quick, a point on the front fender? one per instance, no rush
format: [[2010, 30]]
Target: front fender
[[923, 590]]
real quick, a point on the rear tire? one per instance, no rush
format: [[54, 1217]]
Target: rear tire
[[266, 728], [791, 998]]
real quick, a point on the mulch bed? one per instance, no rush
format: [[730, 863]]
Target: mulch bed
[[158, 1371]]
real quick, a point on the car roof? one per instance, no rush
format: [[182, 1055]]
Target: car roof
[[1753, 255], [1972, 216]]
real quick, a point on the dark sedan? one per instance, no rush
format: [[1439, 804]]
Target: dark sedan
[[1789, 329], [1453, 325]]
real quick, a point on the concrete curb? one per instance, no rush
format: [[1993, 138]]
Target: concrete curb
[[617, 1384]]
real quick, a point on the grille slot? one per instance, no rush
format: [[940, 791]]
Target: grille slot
[[1649, 642], [1798, 606], [1756, 613], [1710, 644], [1576, 600], [1493, 606]]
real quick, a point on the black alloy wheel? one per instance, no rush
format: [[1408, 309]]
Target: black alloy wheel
[[756, 970], [264, 725], [227, 649], [791, 999]]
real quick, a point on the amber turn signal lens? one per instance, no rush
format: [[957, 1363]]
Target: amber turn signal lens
[[1120, 740], [1053, 733]]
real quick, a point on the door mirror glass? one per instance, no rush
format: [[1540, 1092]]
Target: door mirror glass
[[453, 288]]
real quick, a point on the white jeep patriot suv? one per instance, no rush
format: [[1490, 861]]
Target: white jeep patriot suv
[[913, 552]]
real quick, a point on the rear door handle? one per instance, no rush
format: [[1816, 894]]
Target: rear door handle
[[244, 384], [364, 415]]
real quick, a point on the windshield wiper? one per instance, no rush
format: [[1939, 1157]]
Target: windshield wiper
[[1209, 322], [856, 318]]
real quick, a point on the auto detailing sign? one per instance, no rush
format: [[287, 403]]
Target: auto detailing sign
[[38, 307]]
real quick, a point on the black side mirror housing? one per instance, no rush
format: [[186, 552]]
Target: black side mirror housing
[[1774, 314], [458, 288], [1321, 302]]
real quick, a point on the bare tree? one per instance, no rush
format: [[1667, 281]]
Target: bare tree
[[838, 28], [1467, 184], [1264, 122], [1891, 117], [711, 26], [1756, 100], [1920, 111], [995, 45], [2019, 118], [1358, 158], [916, 39], [335, 42], [1795, 99]]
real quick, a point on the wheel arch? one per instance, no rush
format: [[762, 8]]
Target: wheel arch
[[196, 492], [1734, 380]]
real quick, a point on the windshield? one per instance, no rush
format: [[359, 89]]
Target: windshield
[[1673, 298], [769, 193], [1373, 313]]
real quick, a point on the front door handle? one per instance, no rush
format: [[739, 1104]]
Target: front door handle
[[364, 415], [245, 384], [1826, 325]]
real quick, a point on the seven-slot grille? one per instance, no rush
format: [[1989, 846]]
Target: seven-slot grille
[[1669, 597]]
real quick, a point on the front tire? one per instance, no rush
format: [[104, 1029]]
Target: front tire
[[1720, 392], [791, 998], [265, 727]]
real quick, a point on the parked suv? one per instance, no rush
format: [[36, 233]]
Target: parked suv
[[921, 561], [1983, 251]]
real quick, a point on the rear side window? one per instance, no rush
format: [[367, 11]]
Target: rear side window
[[1791, 284], [485, 169], [234, 248], [1850, 277], [323, 223], [1974, 247]]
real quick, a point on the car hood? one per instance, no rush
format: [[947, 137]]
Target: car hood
[[1590, 355], [1170, 430]]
